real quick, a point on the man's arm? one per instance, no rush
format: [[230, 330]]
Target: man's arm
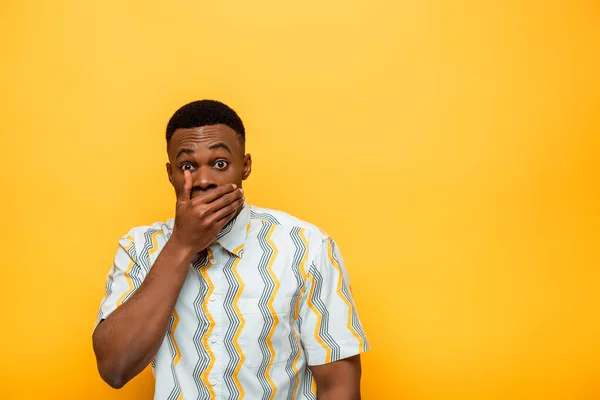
[[332, 334], [339, 380], [127, 340]]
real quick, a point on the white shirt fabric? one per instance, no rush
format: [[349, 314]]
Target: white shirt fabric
[[267, 300]]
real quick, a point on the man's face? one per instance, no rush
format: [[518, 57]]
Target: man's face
[[214, 154]]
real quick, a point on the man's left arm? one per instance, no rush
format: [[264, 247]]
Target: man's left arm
[[339, 379], [332, 334]]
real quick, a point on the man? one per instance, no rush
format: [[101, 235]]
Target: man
[[227, 300]]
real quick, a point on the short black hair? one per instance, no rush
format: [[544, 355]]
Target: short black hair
[[202, 113]]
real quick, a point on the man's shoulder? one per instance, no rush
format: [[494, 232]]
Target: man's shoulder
[[148, 233], [286, 221]]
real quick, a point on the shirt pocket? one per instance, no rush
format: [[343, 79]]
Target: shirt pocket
[[265, 338]]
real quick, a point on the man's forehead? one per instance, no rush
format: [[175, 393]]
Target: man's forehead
[[204, 136]]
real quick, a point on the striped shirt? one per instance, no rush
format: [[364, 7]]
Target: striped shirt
[[269, 298]]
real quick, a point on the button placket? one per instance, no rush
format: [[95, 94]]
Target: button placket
[[214, 340]]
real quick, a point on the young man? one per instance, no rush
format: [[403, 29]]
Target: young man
[[227, 300]]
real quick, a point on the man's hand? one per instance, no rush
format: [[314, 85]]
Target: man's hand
[[198, 221]]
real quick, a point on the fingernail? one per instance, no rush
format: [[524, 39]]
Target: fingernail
[[242, 191], [234, 186]]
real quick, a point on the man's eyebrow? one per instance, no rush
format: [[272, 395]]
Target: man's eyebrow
[[220, 145], [184, 151]]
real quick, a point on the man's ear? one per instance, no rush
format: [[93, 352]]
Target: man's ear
[[247, 166], [170, 173]]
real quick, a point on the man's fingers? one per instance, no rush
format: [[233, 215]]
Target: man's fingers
[[227, 199], [186, 191], [225, 214], [215, 194]]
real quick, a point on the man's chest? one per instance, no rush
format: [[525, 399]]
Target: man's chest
[[264, 274], [250, 303]]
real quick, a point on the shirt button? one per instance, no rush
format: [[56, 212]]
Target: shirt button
[[213, 382], [213, 339], [213, 261], [213, 297]]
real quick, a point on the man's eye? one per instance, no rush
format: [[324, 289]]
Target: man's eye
[[221, 164], [187, 166]]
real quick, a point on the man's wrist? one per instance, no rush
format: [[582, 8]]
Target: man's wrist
[[180, 248]]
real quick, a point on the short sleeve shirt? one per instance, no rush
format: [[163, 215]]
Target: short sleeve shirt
[[268, 299]]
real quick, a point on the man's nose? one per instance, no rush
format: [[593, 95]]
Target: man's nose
[[204, 179]]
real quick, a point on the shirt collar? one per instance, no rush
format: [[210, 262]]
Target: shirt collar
[[232, 236]]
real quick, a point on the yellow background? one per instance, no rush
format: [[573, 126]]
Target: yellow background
[[450, 147]]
